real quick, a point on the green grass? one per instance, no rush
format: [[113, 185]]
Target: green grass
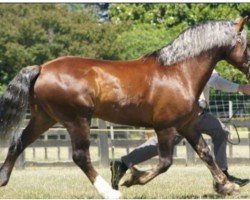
[[70, 183]]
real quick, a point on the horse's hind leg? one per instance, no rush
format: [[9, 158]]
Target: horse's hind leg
[[222, 185], [165, 142], [79, 131], [39, 123]]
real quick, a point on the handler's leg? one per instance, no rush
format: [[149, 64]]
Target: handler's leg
[[145, 151], [212, 126], [222, 185], [142, 153], [165, 144]]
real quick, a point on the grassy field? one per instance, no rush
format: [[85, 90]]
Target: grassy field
[[179, 182], [70, 183]]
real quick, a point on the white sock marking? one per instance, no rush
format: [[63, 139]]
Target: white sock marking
[[105, 189]]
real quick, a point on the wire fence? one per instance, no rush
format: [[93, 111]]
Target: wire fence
[[110, 140], [220, 106]]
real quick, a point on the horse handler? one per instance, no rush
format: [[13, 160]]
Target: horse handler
[[205, 123]]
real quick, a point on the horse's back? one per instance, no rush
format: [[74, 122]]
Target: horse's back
[[105, 88]]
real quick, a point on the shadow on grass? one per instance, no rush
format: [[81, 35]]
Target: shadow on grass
[[206, 196], [212, 196]]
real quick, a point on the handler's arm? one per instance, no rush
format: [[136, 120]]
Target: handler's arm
[[244, 89], [220, 83]]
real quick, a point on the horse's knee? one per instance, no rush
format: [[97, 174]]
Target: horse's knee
[[15, 148], [165, 164], [205, 155], [79, 157]]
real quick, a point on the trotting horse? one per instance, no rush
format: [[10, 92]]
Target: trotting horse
[[159, 90]]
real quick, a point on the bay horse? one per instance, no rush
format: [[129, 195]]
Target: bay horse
[[159, 90]]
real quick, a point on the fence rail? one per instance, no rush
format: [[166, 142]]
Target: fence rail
[[108, 137], [125, 143]]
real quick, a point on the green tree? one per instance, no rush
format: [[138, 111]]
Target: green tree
[[35, 33], [154, 25], [173, 14]]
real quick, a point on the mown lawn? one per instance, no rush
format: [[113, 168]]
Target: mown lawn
[[70, 183]]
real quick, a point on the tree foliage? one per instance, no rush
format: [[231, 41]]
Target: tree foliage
[[35, 33], [169, 15], [155, 25]]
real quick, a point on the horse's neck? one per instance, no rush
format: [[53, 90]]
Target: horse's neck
[[198, 70]]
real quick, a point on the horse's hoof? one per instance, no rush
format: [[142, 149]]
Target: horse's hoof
[[127, 179], [3, 182], [133, 176], [113, 194], [227, 189], [4, 178]]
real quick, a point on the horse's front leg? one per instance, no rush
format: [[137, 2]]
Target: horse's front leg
[[79, 131], [221, 183], [165, 142]]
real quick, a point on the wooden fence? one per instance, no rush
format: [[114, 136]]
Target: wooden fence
[[107, 137]]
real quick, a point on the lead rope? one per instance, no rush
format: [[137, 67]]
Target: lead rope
[[237, 133]]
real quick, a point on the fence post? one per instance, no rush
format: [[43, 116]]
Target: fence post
[[127, 135], [175, 151], [20, 161], [34, 153], [112, 137], [190, 154], [45, 148], [249, 141], [58, 148], [103, 144], [230, 114], [69, 148]]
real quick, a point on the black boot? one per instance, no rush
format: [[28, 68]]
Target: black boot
[[240, 182], [118, 169]]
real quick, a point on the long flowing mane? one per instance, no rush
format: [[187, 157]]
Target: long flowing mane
[[197, 39]]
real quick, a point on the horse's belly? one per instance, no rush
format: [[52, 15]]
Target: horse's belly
[[127, 115]]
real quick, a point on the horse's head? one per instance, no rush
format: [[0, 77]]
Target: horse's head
[[239, 53]]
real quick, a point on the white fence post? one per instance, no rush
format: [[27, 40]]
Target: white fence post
[[230, 114], [103, 144], [190, 154], [112, 137], [20, 161]]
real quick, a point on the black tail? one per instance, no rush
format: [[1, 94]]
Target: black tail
[[15, 100]]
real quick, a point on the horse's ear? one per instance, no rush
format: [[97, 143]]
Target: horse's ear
[[240, 22]]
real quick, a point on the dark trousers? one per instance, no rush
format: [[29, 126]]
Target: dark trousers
[[206, 123]]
